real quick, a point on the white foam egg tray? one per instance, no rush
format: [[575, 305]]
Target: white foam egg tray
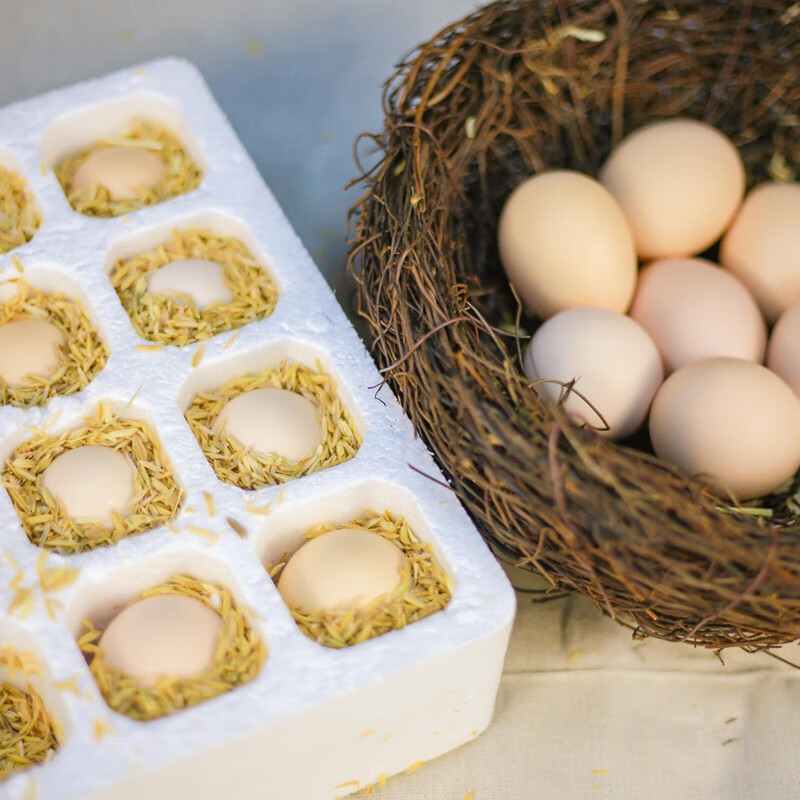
[[316, 722]]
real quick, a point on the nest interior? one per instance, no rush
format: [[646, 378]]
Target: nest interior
[[512, 90]]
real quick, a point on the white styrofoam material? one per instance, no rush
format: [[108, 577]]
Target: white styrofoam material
[[316, 723]]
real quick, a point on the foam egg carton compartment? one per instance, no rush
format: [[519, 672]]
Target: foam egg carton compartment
[[316, 722]]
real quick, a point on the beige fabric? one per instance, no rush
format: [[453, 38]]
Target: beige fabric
[[586, 712]]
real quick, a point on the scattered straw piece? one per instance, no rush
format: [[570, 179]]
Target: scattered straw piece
[[237, 527], [157, 500], [234, 336], [150, 348], [424, 589], [183, 173], [84, 353], [54, 579], [69, 685], [414, 767], [249, 469], [209, 504], [238, 659], [469, 796], [17, 265], [19, 216], [101, 729], [198, 355], [20, 662], [174, 319], [204, 532], [28, 734]]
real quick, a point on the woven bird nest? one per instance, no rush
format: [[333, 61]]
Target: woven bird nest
[[514, 89]]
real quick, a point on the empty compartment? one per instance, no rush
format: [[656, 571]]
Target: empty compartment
[[191, 278], [271, 415], [33, 719], [20, 216], [355, 564], [118, 156], [49, 341], [166, 634], [93, 484]]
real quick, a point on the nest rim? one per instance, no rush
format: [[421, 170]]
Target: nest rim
[[652, 549]]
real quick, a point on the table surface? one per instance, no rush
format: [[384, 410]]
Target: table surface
[[583, 711]]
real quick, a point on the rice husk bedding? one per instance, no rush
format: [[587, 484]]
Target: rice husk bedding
[[424, 589], [84, 352], [248, 469], [183, 173], [165, 318], [19, 215], [44, 519], [516, 88], [238, 659], [28, 733]]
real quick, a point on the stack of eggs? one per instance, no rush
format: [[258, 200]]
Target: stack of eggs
[[670, 191]]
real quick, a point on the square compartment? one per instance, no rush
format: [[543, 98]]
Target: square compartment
[[77, 132], [206, 392], [206, 235]]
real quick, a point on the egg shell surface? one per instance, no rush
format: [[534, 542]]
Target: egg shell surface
[[564, 242], [692, 310], [342, 569], [731, 422], [762, 247], [783, 354], [680, 182], [612, 360]]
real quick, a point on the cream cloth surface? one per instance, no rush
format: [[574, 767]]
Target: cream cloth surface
[[584, 711]]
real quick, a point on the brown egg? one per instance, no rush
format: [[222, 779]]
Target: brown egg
[[164, 635], [29, 347], [92, 481], [343, 569], [273, 420], [679, 183], [197, 279], [692, 310], [614, 364], [564, 242], [122, 170], [783, 355], [732, 422], [762, 247]]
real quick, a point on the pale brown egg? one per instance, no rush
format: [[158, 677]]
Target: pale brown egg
[[92, 481], [343, 569], [165, 635], [273, 421], [692, 310], [783, 354], [731, 422], [564, 242], [199, 280], [122, 170], [29, 347], [762, 247], [680, 182], [614, 364]]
